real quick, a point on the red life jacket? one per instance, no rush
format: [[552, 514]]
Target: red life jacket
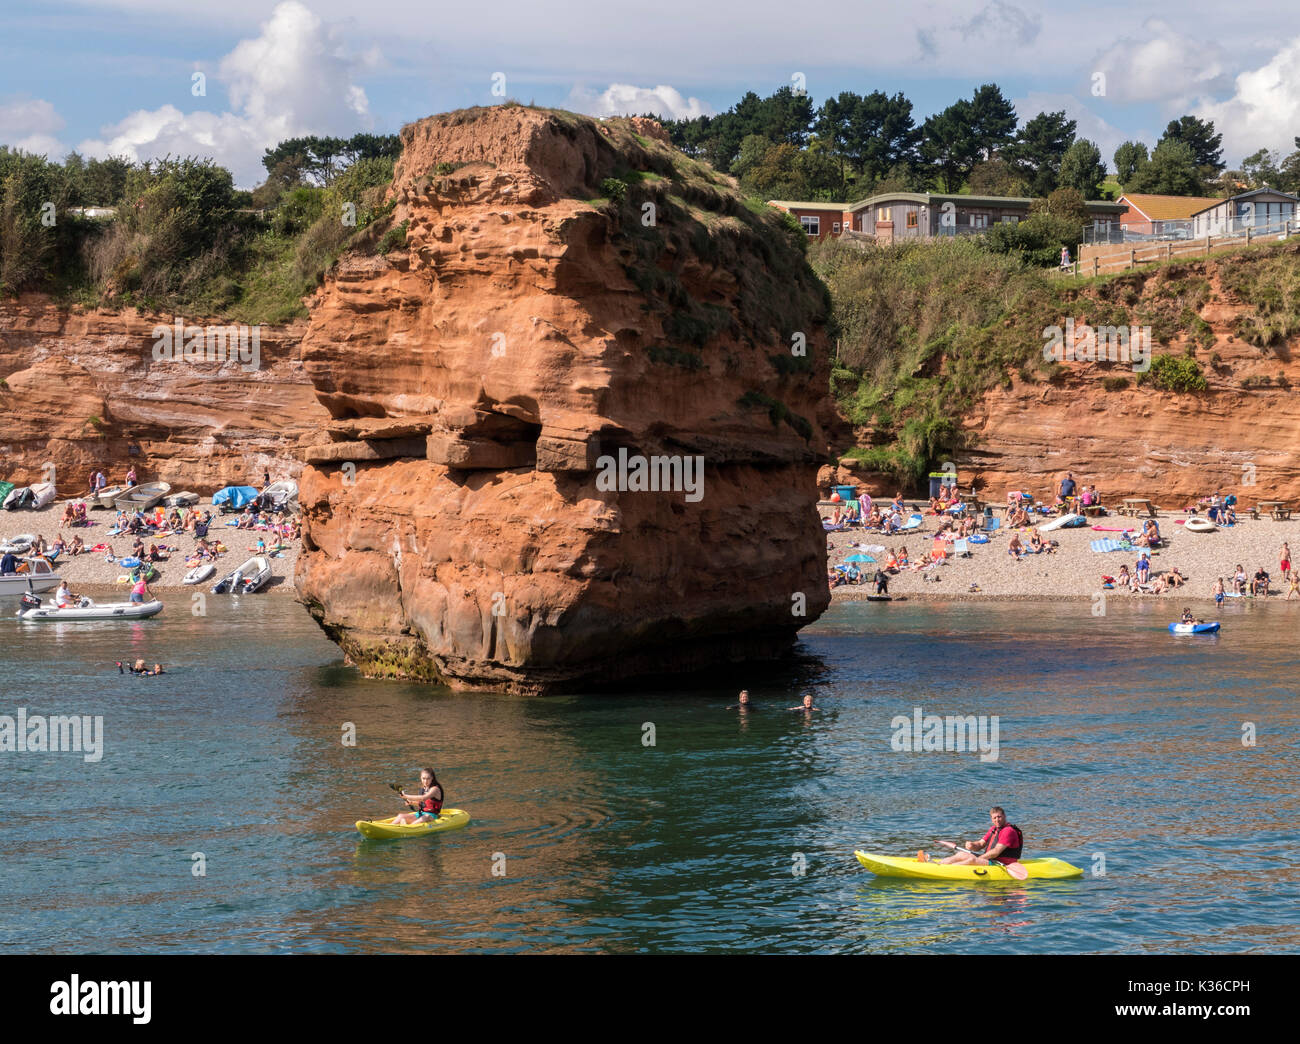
[[431, 805], [1011, 852]]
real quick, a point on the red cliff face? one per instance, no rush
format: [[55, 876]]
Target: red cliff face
[[571, 294], [82, 389]]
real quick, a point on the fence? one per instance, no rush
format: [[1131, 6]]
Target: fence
[[1241, 235]]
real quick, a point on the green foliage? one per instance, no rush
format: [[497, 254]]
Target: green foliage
[[1037, 240], [614, 190], [1174, 373], [1129, 158], [1082, 169], [1040, 149], [1112, 384], [393, 239], [1171, 171], [33, 195], [666, 355]]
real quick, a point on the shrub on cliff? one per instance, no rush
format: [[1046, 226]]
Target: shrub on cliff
[[1174, 373], [34, 196]]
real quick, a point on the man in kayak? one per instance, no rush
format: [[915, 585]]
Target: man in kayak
[[1002, 843], [426, 804]]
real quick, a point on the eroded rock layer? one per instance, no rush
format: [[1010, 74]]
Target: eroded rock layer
[[569, 292], [82, 389]]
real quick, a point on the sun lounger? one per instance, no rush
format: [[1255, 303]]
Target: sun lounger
[[961, 548], [911, 523]]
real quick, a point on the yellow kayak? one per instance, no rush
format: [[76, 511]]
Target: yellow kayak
[[914, 869], [387, 830]]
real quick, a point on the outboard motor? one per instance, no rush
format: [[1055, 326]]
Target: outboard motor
[[30, 601]]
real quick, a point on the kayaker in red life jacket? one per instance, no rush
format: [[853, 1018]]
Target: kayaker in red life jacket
[[427, 803], [1002, 843]]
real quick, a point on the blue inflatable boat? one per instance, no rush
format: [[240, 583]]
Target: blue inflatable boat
[[1193, 628]]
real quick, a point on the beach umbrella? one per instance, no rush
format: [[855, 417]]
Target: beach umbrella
[[859, 558]]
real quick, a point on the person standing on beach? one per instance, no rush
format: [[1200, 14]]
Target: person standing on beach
[[1286, 561], [1218, 591]]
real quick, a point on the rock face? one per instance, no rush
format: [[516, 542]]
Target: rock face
[[1239, 436], [572, 298], [82, 389]]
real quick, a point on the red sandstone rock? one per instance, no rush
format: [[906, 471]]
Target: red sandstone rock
[[541, 331]]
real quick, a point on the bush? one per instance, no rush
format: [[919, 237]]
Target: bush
[[1174, 373], [1112, 384], [613, 189], [395, 237]]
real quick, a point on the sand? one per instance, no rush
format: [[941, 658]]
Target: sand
[[97, 575], [1074, 571]]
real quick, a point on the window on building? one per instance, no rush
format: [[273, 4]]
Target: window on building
[[979, 221], [835, 228], [885, 214], [811, 224], [911, 219]]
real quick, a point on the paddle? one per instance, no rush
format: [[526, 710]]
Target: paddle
[[394, 786], [1016, 870]]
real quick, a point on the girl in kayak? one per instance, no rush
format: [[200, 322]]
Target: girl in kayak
[[427, 803], [1002, 843]]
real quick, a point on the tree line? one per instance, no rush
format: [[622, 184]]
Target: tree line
[[854, 146]]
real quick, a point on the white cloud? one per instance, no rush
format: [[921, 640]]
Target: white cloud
[[32, 125], [623, 99], [1161, 65], [1001, 22], [1264, 111], [292, 80]]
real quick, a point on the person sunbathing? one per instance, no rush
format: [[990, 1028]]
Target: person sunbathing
[[1018, 517], [69, 515], [1174, 578], [59, 545], [77, 546], [1036, 543], [1239, 580], [1124, 579], [1016, 548], [902, 557]]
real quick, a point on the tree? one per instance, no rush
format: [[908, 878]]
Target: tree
[[1040, 146], [993, 120], [1129, 158], [997, 177], [1199, 136], [752, 151], [1171, 171], [948, 144], [1288, 175], [1082, 169], [28, 242], [1064, 203], [1261, 168], [777, 175], [1037, 240]]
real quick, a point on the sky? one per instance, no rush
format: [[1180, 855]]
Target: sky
[[142, 78]]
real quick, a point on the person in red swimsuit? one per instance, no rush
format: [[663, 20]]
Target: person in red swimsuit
[[426, 804], [1002, 843]]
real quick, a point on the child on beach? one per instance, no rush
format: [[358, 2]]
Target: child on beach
[[1218, 591], [1295, 586], [1124, 579]]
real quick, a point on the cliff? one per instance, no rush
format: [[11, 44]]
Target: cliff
[[82, 389], [570, 296]]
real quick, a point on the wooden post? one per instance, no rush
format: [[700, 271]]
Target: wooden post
[[1169, 251], [1207, 244], [1132, 258], [1096, 264], [1249, 230]]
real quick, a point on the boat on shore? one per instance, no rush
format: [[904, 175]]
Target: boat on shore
[[18, 545], [38, 576], [105, 497], [88, 609], [252, 576], [142, 497], [180, 499], [280, 495], [31, 498]]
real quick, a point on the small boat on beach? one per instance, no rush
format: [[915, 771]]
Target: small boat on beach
[[1199, 525], [181, 499], [38, 576], [252, 576], [31, 498], [18, 545], [105, 497], [199, 573], [233, 498], [142, 497], [1194, 628], [88, 609], [280, 495]]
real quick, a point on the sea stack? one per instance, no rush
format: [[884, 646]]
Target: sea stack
[[578, 401]]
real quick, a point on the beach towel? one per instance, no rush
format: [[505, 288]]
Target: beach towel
[[1102, 546], [911, 523], [1110, 529]]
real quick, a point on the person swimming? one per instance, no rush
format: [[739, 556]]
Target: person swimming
[[744, 703]]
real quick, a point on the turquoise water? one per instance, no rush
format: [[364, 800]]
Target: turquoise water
[[1115, 738]]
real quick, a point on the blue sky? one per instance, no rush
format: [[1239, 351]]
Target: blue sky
[[115, 76]]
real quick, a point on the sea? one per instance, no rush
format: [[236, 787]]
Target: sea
[[216, 813]]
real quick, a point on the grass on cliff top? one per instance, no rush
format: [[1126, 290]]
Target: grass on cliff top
[[925, 329]]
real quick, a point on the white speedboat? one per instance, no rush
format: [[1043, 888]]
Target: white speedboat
[[38, 576], [105, 497], [88, 609], [142, 497], [252, 576]]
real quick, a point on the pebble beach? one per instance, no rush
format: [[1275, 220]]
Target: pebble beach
[[1074, 570], [94, 572]]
